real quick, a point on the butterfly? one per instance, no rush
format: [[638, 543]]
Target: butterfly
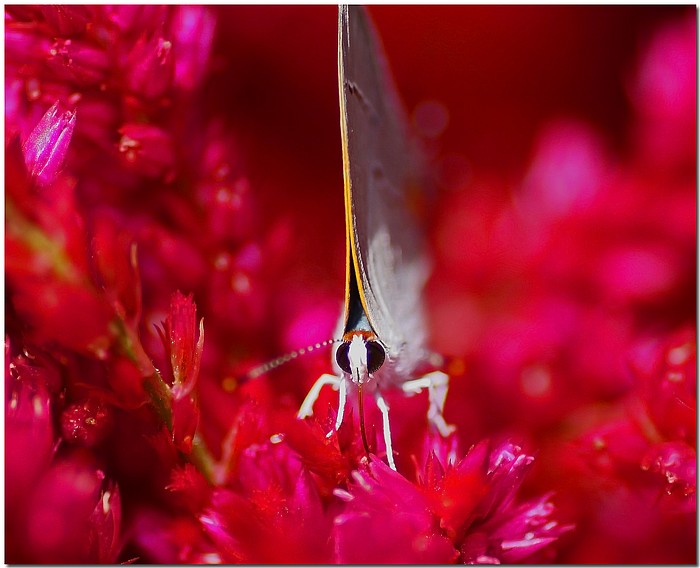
[[383, 326]]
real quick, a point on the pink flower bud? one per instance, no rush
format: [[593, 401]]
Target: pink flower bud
[[68, 21], [86, 423], [25, 47], [46, 147], [147, 149], [150, 67], [676, 463], [78, 61], [105, 522], [71, 515], [29, 437], [178, 335], [193, 30], [134, 19], [23, 13]]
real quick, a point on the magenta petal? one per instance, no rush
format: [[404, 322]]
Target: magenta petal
[[677, 463], [150, 67], [46, 147], [530, 528], [26, 47], [276, 516], [29, 440], [148, 149], [179, 336], [507, 468], [193, 29], [387, 538], [86, 423], [79, 61], [105, 525], [388, 520], [68, 21], [60, 513]]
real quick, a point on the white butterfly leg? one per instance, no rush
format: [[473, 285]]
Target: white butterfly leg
[[437, 383], [343, 386], [307, 407], [384, 407]]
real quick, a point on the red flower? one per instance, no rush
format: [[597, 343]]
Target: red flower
[[189, 148]]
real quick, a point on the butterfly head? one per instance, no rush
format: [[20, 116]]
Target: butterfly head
[[360, 355]]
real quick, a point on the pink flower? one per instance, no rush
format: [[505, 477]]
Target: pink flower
[[463, 510], [275, 502]]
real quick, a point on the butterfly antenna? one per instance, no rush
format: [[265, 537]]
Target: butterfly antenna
[[268, 366]]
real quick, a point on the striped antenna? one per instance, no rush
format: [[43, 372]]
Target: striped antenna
[[255, 372]]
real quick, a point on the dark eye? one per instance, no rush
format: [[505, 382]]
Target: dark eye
[[342, 356], [375, 356]]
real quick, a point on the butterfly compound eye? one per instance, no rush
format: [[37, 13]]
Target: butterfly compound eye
[[375, 356], [342, 356]]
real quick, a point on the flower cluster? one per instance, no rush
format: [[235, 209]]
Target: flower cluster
[[564, 305], [572, 311]]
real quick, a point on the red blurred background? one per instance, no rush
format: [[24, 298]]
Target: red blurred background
[[501, 72]]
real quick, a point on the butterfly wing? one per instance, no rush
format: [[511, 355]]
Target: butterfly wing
[[383, 174]]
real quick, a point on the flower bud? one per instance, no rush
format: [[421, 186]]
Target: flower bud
[[193, 30], [78, 61], [46, 147], [150, 67], [147, 149], [68, 21], [86, 423]]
